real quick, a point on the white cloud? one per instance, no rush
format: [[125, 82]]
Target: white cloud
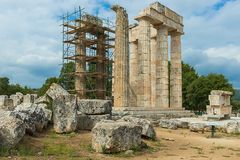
[[229, 52], [31, 39]]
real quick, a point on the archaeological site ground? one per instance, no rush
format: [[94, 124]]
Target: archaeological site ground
[[121, 95]]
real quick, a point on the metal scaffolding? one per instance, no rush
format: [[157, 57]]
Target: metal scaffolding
[[88, 49]]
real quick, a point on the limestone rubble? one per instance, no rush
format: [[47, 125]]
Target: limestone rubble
[[112, 137], [147, 127], [12, 129]]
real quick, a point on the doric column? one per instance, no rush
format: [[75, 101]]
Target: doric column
[[144, 52], [162, 82], [100, 68], [80, 65], [133, 73], [153, 71], [121, 59], [176, 72]]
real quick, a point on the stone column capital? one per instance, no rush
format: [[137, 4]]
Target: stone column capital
[[175, 33], [159, 26]]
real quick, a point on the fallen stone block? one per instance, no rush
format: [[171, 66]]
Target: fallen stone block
[[232, 127], [196, 126], [55, 91], [33, 117], [12, 129], [94, 106], [181, 123], [168, 123], [87, 122], [147, 127], [47, 112], [115, 136], [43, 99], [65, 113]]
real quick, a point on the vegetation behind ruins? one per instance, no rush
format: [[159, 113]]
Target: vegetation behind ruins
[[8, 89], [195, 88]]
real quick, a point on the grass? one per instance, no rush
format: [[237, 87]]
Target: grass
[[59, 150]]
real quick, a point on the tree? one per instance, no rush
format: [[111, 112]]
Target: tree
[[4, 84], [9, 89], [189, 75], [199, 89], [67, 77]]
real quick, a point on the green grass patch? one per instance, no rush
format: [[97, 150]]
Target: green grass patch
[[58, 150]]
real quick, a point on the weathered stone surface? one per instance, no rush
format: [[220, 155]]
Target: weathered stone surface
[[65, 113], [20, 95], [12, 129], [147, 128], [220, 106], [116, 115], [33, 117], [55, 91], [111, 136], [87, 122], [196, 127], [29, 98], [232, 127], [2, 100], [17, 99], [47, 112], [8, 104], [94, 106], [181, 123], [43, 99], [168, 123]]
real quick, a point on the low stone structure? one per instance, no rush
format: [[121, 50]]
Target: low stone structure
[[231, 126], [111, 136], [220, 107]]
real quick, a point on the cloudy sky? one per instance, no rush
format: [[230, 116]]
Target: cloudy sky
[[31, 39]]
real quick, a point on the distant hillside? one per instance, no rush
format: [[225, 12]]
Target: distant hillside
[[237, 95]]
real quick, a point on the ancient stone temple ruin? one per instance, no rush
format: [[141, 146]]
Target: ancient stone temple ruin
[[220, 106], [149, 61], [141, 75]]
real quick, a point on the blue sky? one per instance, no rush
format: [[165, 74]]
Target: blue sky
[[31, 44]]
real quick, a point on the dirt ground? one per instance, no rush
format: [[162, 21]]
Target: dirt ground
[[171, 145]]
